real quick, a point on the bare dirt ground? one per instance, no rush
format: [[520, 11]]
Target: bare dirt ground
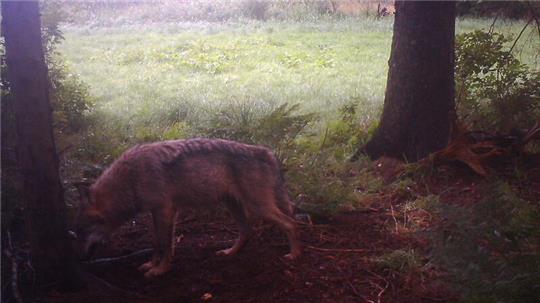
[[338, 265]]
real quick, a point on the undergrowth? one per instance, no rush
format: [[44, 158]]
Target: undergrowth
[[492, 246]]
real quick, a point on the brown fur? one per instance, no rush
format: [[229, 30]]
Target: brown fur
[[163, 177]]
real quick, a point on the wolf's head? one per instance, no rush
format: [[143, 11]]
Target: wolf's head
[[90, 227]]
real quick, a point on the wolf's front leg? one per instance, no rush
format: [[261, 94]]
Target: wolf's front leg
[[163, 229], [156, 257]]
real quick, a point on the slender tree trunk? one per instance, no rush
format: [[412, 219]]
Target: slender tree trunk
[[419, 101], [42, 191]]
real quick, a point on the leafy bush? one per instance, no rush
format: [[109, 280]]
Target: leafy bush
[[494, 90], [70, 99], [69, 96]]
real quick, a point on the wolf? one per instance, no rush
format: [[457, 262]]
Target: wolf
[[164, 177]]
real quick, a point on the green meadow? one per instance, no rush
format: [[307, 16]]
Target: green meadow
[[146, 77]]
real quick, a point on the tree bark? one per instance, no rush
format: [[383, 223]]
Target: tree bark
[[419, 102], [42, 191]]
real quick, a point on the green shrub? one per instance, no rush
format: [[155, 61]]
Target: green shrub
[[494, 90], [70, 99], [69, 96]]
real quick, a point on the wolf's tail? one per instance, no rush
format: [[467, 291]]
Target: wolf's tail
[[281, 190], [284, 201]]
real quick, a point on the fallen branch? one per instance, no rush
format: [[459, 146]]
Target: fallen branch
[[353, 250], [119, 258]]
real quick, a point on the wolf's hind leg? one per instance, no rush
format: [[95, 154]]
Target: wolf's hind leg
[[239, 215], [287, 224], [164, 226]]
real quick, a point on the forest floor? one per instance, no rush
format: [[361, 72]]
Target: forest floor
[[343, 266], [347, 258]]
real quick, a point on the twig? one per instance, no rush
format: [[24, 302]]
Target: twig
[[14, 270], [379, 295], [520, 33], [492, 27], [354, 250], [382, 290], [112, 259], [394, 217]]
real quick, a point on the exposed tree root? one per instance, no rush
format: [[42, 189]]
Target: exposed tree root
[[475, 148]]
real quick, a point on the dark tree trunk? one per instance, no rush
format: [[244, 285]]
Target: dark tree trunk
[[419, 101], [37, 160]]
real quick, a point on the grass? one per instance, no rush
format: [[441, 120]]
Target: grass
[[138, 72], [154, 69]]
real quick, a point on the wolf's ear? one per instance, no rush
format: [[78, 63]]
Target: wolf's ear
[[84, 191]]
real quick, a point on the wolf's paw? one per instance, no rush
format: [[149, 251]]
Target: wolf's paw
[[155, 272], [292, 256], [226, 252], [145, 267]]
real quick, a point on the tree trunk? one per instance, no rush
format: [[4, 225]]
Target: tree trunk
[[419, 101], [42, 191]]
